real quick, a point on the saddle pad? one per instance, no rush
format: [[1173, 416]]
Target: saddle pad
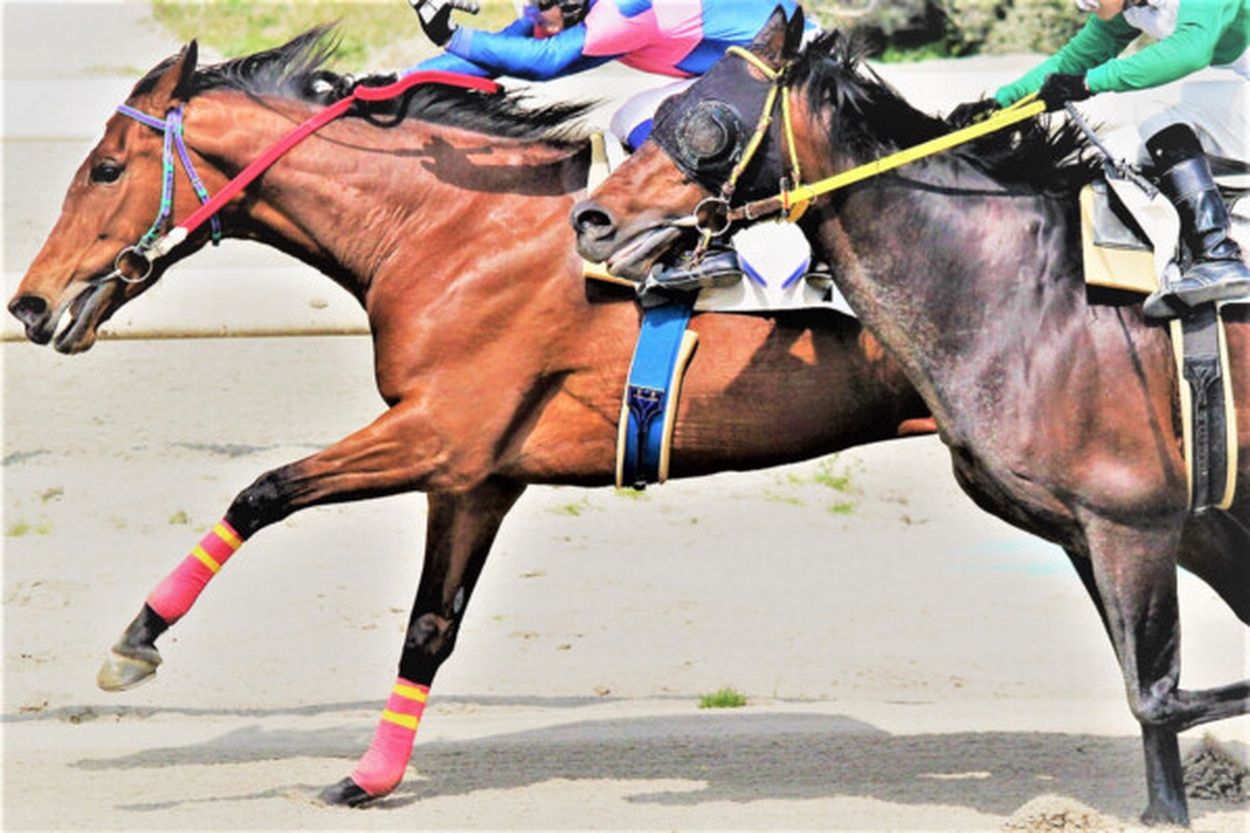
[[1115, 257], [774, 257]]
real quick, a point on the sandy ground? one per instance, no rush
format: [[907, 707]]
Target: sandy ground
[[911, 663]]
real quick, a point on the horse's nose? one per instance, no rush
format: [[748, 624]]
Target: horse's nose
[[32, 311], [592, 222]]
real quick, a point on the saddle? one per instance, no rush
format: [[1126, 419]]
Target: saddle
[[1130, 240]]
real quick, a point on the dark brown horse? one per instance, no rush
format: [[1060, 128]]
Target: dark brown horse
[[1059, 412], [500, 365]]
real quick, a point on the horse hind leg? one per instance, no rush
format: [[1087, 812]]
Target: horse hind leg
[[460, 531], [1132, 574]]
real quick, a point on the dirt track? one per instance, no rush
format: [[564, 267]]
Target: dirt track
[[917, 665]]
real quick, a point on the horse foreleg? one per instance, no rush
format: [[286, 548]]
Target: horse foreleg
[[459, 534], [386, 457], [1133, 574]]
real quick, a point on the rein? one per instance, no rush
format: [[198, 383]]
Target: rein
[[141, 257], [714, 216]]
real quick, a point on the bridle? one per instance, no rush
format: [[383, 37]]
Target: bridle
[[137, 254], [714, 216], [134, 263]]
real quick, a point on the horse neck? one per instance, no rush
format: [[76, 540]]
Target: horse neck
[[951, 271], [354, 198]]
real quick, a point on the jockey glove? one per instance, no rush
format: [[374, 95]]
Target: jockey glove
[[435, 17], [1060, 88], [971, 112]]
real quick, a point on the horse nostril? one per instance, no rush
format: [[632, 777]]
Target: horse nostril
[[29, 309], [592, 221]]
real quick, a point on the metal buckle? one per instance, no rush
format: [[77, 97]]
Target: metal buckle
[[130, 256], [711, 216]]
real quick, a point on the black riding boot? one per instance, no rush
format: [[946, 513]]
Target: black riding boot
[[718, 267], [1216, 271]]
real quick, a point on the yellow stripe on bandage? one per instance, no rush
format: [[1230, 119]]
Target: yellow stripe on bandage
[[224, 533], [408, 721], [411, 692], [206, 559]]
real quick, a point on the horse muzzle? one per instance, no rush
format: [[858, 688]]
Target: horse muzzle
[[628, 255], [86, 305], [33, 312]]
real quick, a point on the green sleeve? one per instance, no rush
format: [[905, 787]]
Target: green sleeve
[[1097, 42], [1189, 48]]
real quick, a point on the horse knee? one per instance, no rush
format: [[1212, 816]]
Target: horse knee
[[264, 502]]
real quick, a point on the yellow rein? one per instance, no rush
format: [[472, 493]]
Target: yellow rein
[[795, 202]]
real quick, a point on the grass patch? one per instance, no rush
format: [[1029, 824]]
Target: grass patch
[[22, 528], [179, 518], [574, 509], [932, 51], [778, 497], [632, 494], [827, 476], [725, 698], [844, 507], [241, 27]]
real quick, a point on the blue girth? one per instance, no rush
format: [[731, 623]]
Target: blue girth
[[651, 394]]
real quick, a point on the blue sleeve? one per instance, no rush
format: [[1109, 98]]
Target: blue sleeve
[[536, 59], [453, 63]]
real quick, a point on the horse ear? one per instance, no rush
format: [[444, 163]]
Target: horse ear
[[794, 34], [770, 42], [175, 83]]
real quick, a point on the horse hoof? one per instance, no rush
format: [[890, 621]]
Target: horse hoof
[[345, 793], [123, 671], [1165, 817]]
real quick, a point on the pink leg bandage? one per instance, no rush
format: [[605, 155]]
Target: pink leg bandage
[[176, 593], [382, 767]]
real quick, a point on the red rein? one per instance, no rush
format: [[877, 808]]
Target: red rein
[[329, 114]]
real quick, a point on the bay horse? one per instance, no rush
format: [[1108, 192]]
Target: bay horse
[[501, 367], [1058, 411]]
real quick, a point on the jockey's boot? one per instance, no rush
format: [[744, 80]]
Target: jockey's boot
[[1216, 271], [718, 267]]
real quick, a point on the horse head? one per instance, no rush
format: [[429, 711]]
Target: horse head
[[88, 267], [704, 146]]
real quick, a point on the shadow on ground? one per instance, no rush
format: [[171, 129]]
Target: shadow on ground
[[736, 757]]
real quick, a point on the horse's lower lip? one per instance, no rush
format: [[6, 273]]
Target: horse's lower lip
[[84, 311], [635, 258]]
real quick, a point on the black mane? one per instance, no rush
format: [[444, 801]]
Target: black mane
[[1035, 152], [296, 71]]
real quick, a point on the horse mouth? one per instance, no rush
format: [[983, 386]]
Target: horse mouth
[[75, 319], [634, 259]]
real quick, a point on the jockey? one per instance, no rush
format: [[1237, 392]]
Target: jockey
[[552, 38], [1174, 126], [679, 39]]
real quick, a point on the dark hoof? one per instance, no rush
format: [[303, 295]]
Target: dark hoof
[[1165, 817], [125, 670], [345, 793]]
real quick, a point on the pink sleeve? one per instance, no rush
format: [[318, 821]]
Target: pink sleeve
[[608, 32]]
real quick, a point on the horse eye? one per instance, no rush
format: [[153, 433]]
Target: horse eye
[[106, 172]]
